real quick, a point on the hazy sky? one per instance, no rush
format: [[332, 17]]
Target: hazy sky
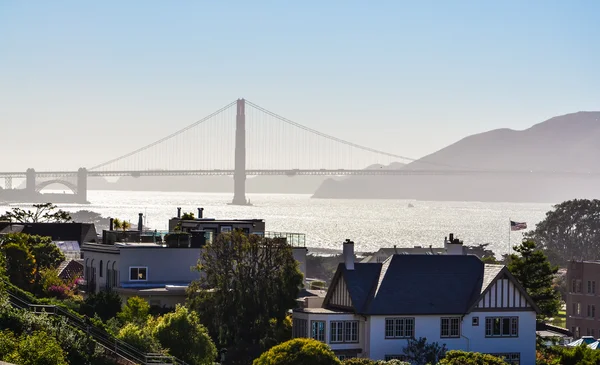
[[81, 83]]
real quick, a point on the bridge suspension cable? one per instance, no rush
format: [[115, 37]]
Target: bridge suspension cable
[[208, 117], [339, 140]]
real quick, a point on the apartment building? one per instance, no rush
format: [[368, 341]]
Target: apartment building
[[583, 301]]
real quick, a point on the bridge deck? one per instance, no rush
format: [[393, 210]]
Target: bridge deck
[[293, 172]]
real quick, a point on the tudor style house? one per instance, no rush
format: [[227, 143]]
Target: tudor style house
[[372, 309]]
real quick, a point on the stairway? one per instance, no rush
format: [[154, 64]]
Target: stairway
[[126, 353]]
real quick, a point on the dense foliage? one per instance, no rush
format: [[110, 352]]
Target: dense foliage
[[299, 351], [48, 332], [420, 352], [570, 231], [558, 355], [237, 308], [43, 213], [532, 269], [470, 358], [135, 311], [28, 258], [37, 348], [185, 338], [104, 304]]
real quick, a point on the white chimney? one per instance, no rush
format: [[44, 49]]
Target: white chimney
[[349, 254], [453, 246]]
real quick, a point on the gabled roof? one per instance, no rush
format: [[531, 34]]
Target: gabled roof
[[425, 284], [358, 282], [418, 284]]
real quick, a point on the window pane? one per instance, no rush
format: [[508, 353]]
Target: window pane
[[496, 330], [142, 273], [133, 273], [505, 326], [389, 328]]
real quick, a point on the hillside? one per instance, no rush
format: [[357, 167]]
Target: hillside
[[564, 143]]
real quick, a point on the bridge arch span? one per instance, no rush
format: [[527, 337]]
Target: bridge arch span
[[39, 187]]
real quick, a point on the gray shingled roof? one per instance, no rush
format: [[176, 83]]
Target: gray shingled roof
[[418, 284], [490, 271], [360, 281]]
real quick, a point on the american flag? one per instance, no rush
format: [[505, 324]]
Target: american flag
[[517, 226]]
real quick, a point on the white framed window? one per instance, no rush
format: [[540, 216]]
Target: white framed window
[[513, 358], [475, 321], [343, 331], [501, 326], [226, 229], [395, 357], [450, 327], [399, 327], [138, 273], [317, 330], [299, 329]]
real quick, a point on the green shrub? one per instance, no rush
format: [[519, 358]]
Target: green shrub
[[139, 337], [299, 351], [360, 361], [37, 348], [470, 358], [106, 304], [184, 337]]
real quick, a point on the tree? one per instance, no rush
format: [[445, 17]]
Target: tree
[[38, 348], [88, 216], [106, 304], [570, 231], [299, 351], [140, 337], [187, 216], [535, 273], [470, 358], [252, 280], [47, 254], [44, 213], [135, 311], [117, 224], [20, 265], [184, 337], [419, 352]]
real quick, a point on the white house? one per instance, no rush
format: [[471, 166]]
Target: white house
[[372, 309]]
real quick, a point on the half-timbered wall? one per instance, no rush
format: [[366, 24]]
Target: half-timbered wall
[[503, 294], [340, 296]]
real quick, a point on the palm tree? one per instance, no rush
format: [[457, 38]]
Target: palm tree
[[117, 224], [125, 225]]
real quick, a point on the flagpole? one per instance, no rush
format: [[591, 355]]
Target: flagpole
[[509, 228]]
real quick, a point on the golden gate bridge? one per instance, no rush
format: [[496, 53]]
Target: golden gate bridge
[[244, 139]]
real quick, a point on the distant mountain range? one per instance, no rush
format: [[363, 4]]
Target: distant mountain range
[[566, 143]]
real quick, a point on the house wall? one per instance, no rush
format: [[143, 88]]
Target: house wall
[[165, 265], [161, 300], [93, 259], [328, 318], [472, 337]]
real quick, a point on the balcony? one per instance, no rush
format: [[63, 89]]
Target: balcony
[[293, 239]]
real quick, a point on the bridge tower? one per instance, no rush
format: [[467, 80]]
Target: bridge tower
[[30, 181], [239, 174], [82, 174]]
